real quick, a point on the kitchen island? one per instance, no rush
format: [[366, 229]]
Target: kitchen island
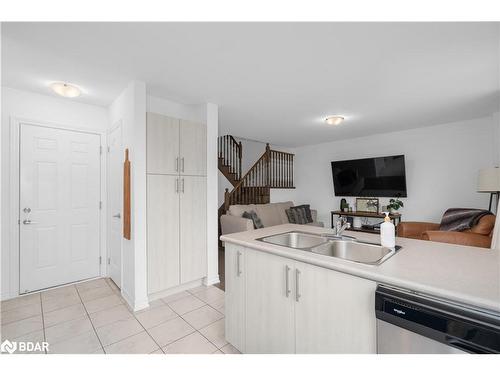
[[285, 300]]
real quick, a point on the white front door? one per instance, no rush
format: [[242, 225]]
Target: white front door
[[59, 206], [115, 201]]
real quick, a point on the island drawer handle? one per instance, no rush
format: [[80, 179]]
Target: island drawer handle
[[238, 263], [287, 281], [297, 290]]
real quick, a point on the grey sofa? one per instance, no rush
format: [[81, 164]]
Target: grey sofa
[[270, 214]]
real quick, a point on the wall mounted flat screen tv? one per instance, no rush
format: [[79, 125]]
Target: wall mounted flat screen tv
[[371, 177]]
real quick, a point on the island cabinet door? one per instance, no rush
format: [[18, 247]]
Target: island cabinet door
[[235, 273], [334, 312], [270, 303]]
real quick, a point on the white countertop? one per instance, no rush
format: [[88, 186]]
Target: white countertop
[[464, 274]]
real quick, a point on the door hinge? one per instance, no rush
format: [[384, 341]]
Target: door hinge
[[109, 260], [100, 260], [100, 150], [100, 205], [109, 149]]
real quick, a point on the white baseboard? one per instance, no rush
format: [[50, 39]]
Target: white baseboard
[[5, 297], [211, 281], [134, 305], [174, 290]]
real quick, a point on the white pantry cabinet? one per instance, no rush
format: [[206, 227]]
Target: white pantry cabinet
[[193, 148], [163, 232], [177, 234], [235, 270], [175, 146], [193, 228], [296, 307], [162, 151]]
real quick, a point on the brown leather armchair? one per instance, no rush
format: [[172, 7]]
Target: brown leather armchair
[[479, 235]]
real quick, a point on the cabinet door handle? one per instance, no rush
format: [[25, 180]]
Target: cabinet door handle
[[182, 164], [297, 283], [177, 164], [238, 263], [182, 185], [176, 185], [287, 281]]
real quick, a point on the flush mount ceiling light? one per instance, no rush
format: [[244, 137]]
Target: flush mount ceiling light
[[65, 89], [334, 120]]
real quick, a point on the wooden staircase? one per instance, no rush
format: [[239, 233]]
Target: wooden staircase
[[230, 158], [273, 170]]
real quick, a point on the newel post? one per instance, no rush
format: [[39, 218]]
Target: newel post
[[240, 172], [268, 165], [226, 199]]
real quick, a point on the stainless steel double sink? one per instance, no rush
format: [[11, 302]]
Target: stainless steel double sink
[[342, 247]]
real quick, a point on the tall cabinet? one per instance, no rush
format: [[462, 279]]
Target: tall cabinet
[[176, 194]]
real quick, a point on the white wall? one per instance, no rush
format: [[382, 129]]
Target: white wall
[[212, 121], [495, 243], [130, 109], [40, 109], [442, 163], [167, 107]]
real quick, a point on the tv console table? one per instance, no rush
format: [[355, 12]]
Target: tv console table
[[395, 218]]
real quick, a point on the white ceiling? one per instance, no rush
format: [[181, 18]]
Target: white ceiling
[[274, 82]]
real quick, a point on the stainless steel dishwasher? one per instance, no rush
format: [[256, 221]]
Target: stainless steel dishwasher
[[408, 322]]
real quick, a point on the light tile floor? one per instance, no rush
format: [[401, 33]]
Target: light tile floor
[[92, 317]]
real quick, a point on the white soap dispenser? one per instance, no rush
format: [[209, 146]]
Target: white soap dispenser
[[387, 232]]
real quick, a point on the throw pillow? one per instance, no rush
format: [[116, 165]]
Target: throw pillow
[[257, 223], [299, 214]]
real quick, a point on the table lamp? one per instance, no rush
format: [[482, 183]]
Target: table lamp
[[489, 182]]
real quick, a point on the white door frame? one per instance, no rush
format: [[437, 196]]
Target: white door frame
[[116, 125], [14, 264]]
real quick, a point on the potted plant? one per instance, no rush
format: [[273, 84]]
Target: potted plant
[[394, 205]]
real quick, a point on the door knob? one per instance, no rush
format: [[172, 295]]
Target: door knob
[[26, 210], [27, 222], [117, 215]]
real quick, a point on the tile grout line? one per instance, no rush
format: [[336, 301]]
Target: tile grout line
[[213, 343], [149, 334], [88, 316], [180, 338], [180, 316], [144, 328], [197, 330], [43, 322]]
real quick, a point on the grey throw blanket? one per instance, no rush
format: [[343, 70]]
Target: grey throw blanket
[[460, 219]]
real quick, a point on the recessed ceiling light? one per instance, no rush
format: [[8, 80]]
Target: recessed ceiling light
[[65, 89], [334, 120]]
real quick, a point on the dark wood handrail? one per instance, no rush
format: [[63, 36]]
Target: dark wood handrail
[[230, 152], [274, 169]]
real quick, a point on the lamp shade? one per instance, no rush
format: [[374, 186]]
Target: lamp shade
[[488, 180]]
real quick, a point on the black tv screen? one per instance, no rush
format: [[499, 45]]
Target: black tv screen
[[371, 177]]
